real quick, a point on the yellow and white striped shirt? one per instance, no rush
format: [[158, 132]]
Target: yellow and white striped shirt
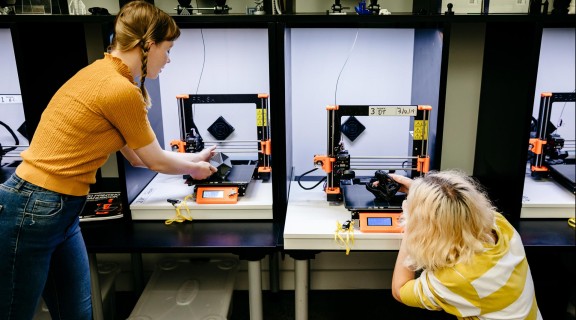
[[497, 284]]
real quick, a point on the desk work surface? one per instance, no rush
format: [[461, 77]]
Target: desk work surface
[[241, 237], [546, 198], [152, 204], [311, 222]]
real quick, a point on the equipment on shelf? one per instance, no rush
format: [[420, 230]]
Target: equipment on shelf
[[549, 153], [368, 9], [7, 7], [185, 8], [259, 8], [337, 8]]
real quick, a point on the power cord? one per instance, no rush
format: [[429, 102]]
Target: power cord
[[5, 150], [306, 173], [346, 228], [179, 217], [344, 65]]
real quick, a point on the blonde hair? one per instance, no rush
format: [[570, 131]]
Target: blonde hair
[[137, 25], [447, 219]]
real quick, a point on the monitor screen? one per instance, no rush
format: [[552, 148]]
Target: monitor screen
[[213, 194], [379, 221]]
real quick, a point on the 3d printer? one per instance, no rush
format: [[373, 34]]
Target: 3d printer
[[377, 206], [241, 192], [233, 176], [549, 154]]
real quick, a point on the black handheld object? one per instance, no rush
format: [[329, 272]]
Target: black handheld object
[[222, 163], [386, 188]]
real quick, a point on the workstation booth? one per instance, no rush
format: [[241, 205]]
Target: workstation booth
[[343, 94]]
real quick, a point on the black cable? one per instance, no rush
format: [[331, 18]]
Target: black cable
[[403, 163], [344, 65], [202, 69], [305, 173], [16, 141], [561, 113]]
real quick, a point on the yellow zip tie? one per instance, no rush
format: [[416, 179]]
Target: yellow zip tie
[[348, 229], [179, 217], [572, 222]]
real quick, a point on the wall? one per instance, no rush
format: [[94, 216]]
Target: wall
[[462, 96]]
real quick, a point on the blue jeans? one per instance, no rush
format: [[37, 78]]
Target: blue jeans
[[42, 253]]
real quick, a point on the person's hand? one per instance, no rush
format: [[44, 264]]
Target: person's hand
[[202, 171], [207, 153], [404, 182]]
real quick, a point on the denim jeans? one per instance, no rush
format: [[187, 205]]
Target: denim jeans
[[42, 253]]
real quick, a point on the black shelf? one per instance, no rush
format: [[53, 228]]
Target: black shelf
[[313, 19]]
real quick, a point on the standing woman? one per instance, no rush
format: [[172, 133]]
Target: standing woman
[[100, 110]]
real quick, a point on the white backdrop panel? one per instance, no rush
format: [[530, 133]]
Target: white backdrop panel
[[376, 69], [235, 62]]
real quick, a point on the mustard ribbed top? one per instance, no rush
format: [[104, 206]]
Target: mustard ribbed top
[[97, 112]]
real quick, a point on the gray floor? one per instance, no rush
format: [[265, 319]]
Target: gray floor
[[334, 305], [325, 304], [345, 305]]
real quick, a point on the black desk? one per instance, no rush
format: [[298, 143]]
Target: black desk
[[547, 234], [250, 240], [550, 250]]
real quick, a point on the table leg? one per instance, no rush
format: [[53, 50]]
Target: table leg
[[255, 289], [97, 310], [137, 272], [301, 289], [274, 268]]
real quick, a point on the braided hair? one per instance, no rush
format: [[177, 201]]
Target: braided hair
[[138, 24]]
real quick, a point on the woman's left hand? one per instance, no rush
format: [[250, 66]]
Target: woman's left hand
[[207, 154]]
